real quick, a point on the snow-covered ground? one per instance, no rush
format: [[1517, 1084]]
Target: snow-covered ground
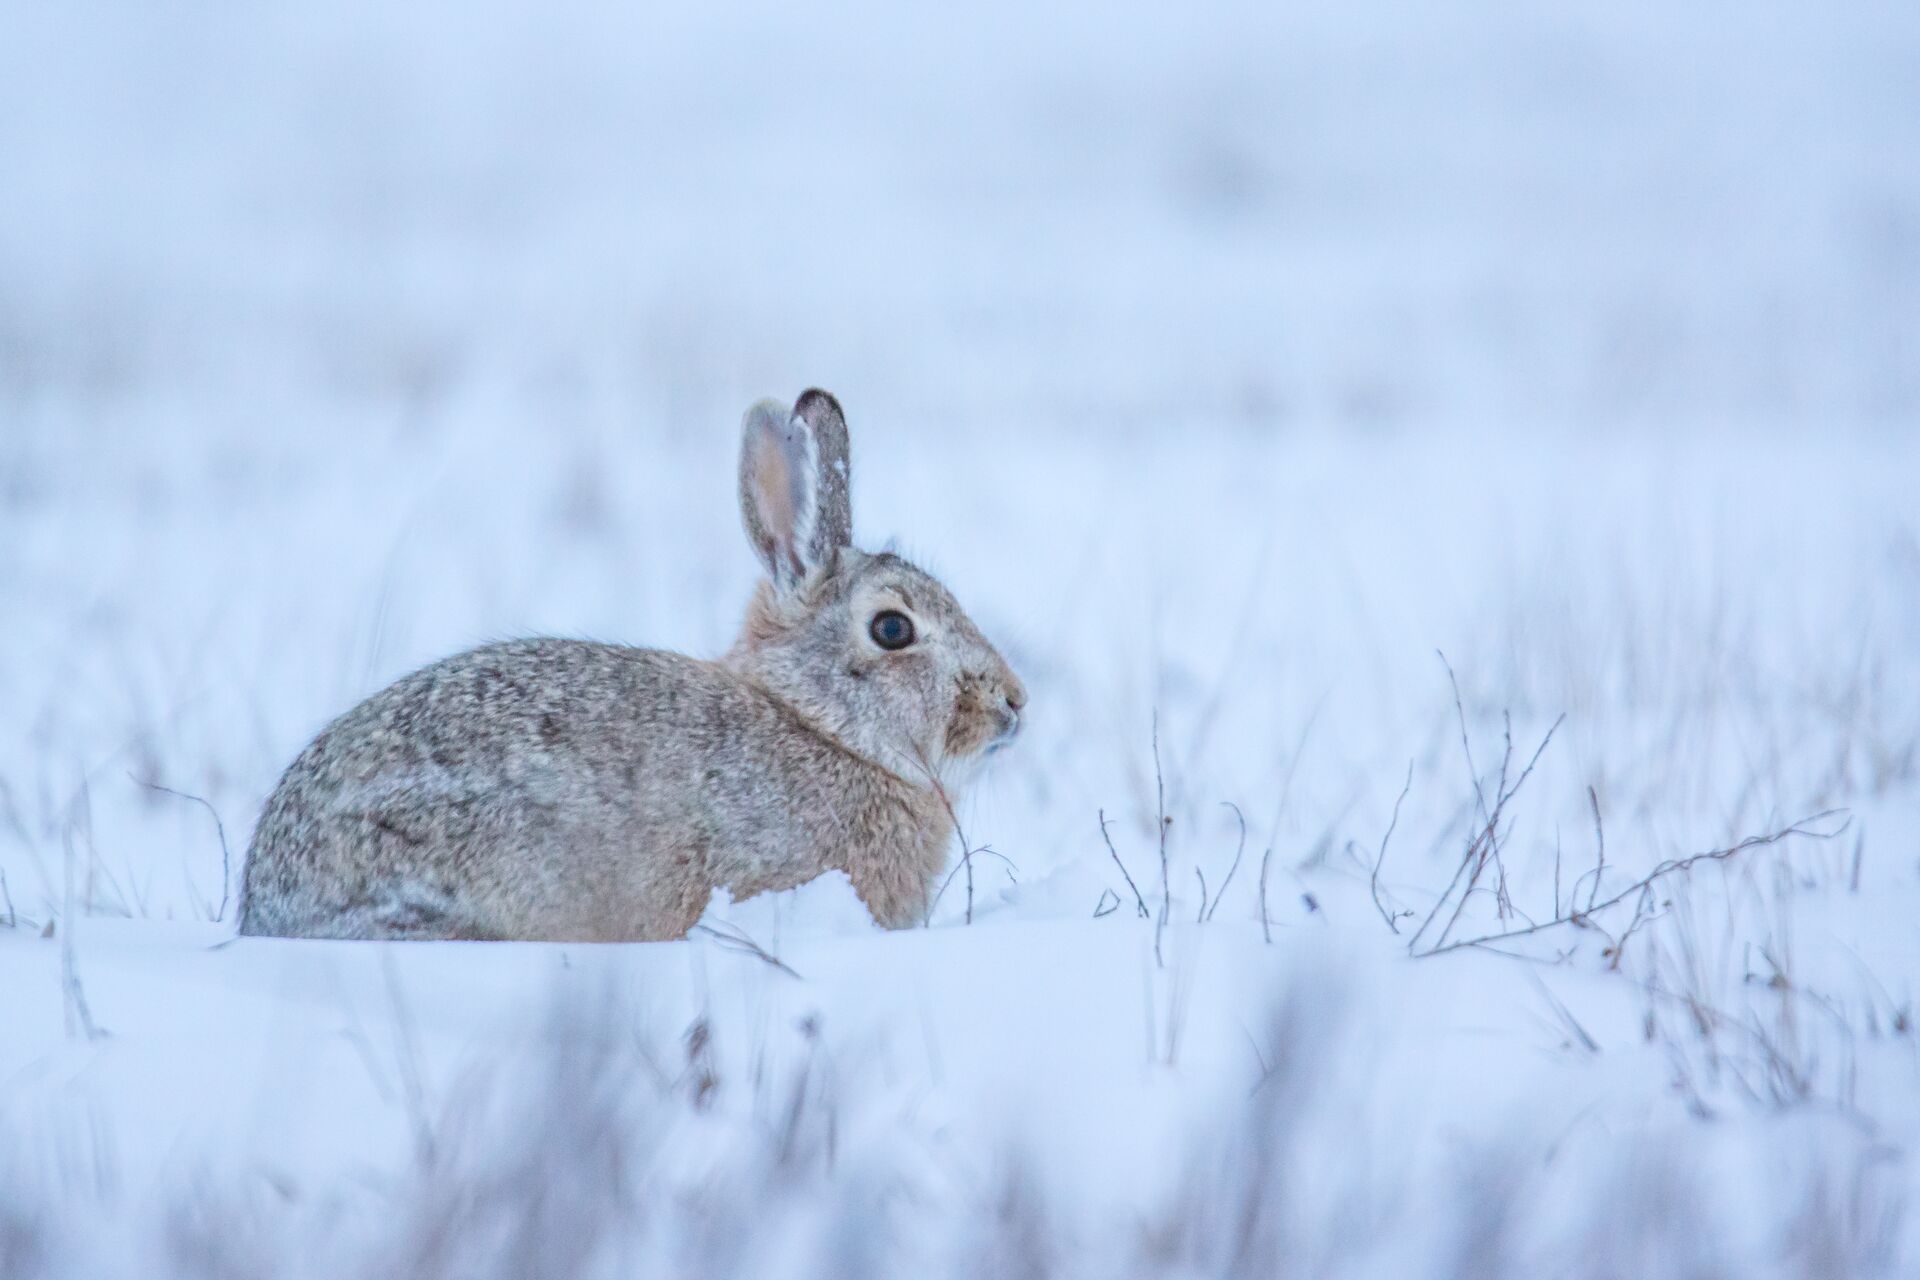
[[1234, 365]]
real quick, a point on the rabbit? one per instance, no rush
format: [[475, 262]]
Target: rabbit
[[564, 790]]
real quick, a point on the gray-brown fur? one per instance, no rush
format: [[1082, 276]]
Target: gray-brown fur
[[558, 789]]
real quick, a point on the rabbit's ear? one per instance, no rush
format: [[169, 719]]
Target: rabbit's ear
[[793, 485], [833, 509]]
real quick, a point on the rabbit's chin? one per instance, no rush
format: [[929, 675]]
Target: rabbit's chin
[[959, 773]]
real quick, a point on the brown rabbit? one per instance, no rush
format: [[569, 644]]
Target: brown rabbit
[[565, 790]]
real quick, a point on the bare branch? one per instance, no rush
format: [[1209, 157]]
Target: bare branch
[[982, 851], [1484, 848], [220, 829], [1280, 811], [1166, 889], [966, 847], [1567, 1020], [733, 938], [1670, 867], [1373, 882], [79, 1018], [1293, 766], [1643, 912], [1266, 924], [1466, 747], [1138, 900], [1238, 851], [1600, 840]]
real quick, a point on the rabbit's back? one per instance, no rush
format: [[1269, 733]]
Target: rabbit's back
[[545, 788]]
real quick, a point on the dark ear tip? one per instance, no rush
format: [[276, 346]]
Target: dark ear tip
[[813, 401]]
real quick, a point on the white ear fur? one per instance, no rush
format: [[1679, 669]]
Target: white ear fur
[[793, 486], [826, 426]]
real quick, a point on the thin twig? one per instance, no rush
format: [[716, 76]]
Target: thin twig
[[220, 829], [960, 833], [79, 1019], [1280, 811], [1643, 912], [1293, 766], [1485, 845], [982, 851], [1600, 839], [1506, 747], [966, 859], [734, 938], [1238, 851], [82, 810], [1138, 900], [1266, 924], [1491, 854], [1565, 1014], [1466, 747], [1446, 894], [1670, 867], [1166, 888], [1373, 884]]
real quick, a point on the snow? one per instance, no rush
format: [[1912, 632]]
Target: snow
[[1227, 366]]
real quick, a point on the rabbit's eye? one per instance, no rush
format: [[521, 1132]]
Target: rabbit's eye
[[891, 629]]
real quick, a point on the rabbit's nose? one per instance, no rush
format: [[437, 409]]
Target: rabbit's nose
[[1012, 698]]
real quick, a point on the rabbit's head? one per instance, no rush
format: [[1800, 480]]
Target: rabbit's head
[[866, 647]]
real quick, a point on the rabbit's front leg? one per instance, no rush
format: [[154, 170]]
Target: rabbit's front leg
[[899, 896]]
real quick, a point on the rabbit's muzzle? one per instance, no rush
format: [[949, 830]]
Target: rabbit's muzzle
[[1013, 697], [986, 713]]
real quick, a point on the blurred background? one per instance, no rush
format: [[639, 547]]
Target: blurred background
[[1227, 360], [1221, 357], [1379, 218]]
